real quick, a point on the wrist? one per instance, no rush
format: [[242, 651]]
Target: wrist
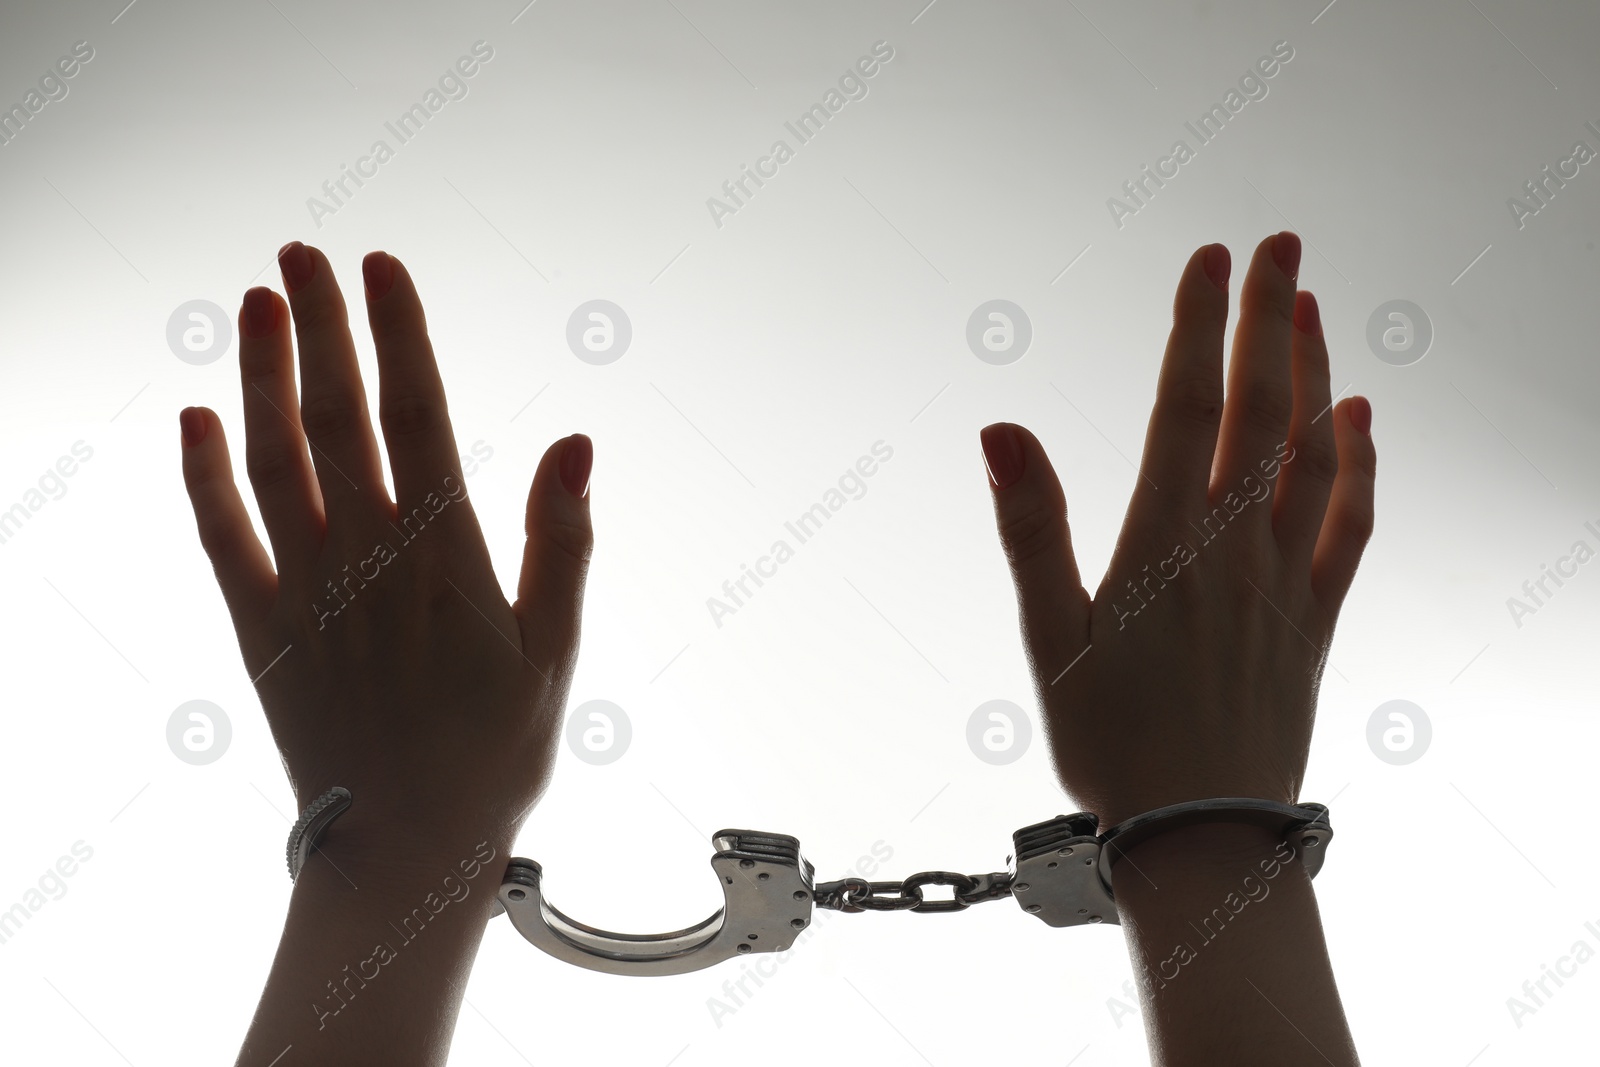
[[364, 850], [1210, 910], [1203, 860], [353, 949]]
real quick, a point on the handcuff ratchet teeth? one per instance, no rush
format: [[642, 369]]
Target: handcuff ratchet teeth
[[1060, 871]]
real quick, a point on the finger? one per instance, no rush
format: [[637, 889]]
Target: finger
[[244, 573], [275, 448], [555, 559], [333, 403], [1311, 460], [423, 457], [1255, 417], [1182, 436], [1348, 525], [1031, 513]]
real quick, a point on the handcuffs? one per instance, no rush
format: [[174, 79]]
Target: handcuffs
[[1059, 870]]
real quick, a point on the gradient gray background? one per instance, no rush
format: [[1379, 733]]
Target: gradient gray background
[[768, 354]]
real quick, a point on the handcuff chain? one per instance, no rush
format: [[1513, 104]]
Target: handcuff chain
[[858, 894]]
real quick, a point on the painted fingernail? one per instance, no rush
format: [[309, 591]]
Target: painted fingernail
[[1306, 317], [377, 270], [1002, 453], [193, 425], [1286, 252], [260, 312], [577, 457], [1218, 265], [1361, 415], [295, 262]]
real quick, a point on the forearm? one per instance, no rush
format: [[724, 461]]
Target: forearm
[[376, 950], [1223, 929]]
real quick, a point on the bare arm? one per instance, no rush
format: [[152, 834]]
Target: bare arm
[[1193, 670], [386, 659], [376, 950], [1223, 929]]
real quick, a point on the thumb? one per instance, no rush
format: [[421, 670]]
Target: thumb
[[555, 559], [1031, 513]]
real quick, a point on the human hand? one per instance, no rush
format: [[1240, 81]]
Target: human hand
[[1193, 671], [385, 655]]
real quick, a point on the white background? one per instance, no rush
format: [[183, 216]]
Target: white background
[[769, 354]]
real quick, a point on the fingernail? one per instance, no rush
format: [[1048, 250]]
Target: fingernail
[[1361, 415], [1002, 453], [1218, 265], [193, 425], [295, 263], [577, 457], [260, 312], [1286, 252], [377, 270], [1306, 317]]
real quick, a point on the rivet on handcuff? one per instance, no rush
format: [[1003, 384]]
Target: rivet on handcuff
[[1059, 870]]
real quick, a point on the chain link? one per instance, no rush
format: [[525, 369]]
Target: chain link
[[858, 894]]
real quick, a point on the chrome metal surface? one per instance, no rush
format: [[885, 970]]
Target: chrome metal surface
[[767, 894]]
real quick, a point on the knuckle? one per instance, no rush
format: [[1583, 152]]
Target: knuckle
[[1279, 303], [217, 533], [1273, 298], [1268, 406], [1355, 524], [330, 414], [1366, 462], [260, 365], [1317, 459], [1197, 400], [317, 315], [1029, 533], [270, 465], [392, 326], [411, 416], [573, 540], [1199, 310]]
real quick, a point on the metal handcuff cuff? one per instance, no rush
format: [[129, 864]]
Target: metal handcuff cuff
[[1060, 870]]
